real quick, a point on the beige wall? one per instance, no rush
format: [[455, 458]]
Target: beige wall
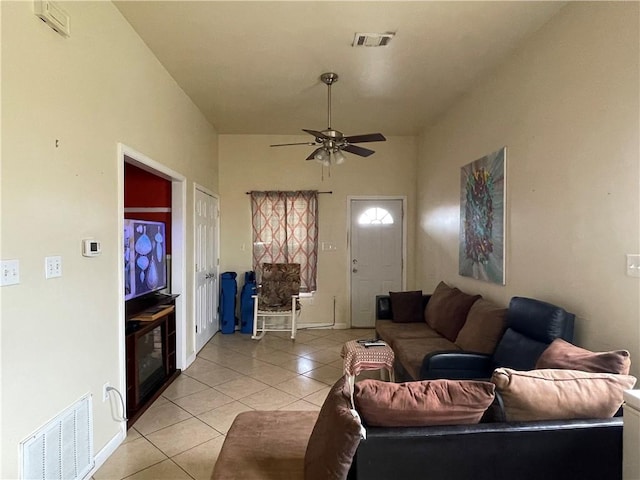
[[99, 87], [247, 163], [566, 106]]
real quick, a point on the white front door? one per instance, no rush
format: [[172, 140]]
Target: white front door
[[376, 255], [206, 268]]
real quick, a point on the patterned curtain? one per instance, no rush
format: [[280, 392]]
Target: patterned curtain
[[285, 230]]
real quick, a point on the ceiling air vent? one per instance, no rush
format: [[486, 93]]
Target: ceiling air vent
[[372, 39], [53, 15]]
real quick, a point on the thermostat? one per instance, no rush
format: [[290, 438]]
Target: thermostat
[[91, 248]]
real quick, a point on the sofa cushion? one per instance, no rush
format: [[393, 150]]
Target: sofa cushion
[[447, 310], [411, 351], [406, 306], [335, 436], [415, 404], [562, 354], [256, 441], [538, 320], [551, 394], [485, 325], [390, 331]]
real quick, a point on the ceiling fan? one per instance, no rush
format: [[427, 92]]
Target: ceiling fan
[[331, 143]]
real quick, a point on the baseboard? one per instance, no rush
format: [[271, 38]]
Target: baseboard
[[189, 360], [322, 326], [108, 449]]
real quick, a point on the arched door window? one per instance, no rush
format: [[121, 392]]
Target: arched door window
[[375, 216]]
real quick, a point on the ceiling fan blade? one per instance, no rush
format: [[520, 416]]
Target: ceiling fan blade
[[287, 144], [315, 133], [369, 137], [313, 154], [363, 152]]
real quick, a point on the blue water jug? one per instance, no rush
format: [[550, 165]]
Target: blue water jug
[[228, 292], [246, 302]]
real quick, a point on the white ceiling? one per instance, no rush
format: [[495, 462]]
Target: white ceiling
[[254, 67]]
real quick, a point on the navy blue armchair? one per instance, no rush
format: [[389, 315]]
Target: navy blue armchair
[[531, 326]]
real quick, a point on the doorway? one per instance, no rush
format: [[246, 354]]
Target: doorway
[[178, 249], [207, 259], [377, 251]]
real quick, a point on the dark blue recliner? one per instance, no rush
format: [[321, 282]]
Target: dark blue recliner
[[531, 326]]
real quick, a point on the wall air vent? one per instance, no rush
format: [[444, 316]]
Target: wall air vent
[[63, 447], [372, 39], [53, 15]]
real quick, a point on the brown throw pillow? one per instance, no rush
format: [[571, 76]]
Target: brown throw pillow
[[335, 437], [559, 394], [484, 327], [406, 306], [429, 402], [562, 354], [447, 310]]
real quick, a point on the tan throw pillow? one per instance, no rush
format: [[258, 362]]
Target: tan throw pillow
[[429, 402], [447, 310], [335, 437], [484, 327], [562, 354], [559, 394], [406, 306]]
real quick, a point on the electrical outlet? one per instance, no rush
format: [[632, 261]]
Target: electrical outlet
[[105, 392], [633, 265]]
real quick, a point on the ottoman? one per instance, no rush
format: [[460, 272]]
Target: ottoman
[[265, 445]]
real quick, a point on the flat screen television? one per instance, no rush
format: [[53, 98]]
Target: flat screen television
[[145, 259]]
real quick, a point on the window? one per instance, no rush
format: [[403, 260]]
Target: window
[[375, 216], [285, 230]]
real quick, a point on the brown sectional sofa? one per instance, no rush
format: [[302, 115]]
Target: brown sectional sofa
[[449, 320], [270, 445], [516, 437]]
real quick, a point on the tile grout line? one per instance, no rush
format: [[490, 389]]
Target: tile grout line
[[248, 350]]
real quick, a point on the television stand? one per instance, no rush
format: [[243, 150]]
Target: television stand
[[150, 351]]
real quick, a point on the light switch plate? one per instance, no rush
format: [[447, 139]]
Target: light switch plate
[[329, 247], [633, 265], [9, 272], [52, 267]]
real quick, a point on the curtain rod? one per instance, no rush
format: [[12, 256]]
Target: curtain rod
[[329, 193]]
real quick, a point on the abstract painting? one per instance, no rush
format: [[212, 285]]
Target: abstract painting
[[482, 218]]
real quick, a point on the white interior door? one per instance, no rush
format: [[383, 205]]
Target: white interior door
[[376, 255], [206, 268]]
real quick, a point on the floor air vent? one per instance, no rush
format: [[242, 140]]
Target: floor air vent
[[63, 448]]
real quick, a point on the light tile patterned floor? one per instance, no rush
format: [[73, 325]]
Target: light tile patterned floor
[[180, 435]]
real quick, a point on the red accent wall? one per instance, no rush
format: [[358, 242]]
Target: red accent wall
[[146, 190]]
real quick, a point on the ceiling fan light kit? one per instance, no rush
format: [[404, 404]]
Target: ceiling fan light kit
[[331, 143]]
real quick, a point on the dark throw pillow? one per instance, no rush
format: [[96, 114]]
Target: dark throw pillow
[[562, 354], [406, 306], [447, 310], [335, 437], [429, 402]]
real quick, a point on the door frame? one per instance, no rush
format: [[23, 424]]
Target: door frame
[[206, 191], [403, 198], [178, 251]]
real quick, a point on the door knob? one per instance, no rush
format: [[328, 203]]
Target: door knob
[[355, 270]]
